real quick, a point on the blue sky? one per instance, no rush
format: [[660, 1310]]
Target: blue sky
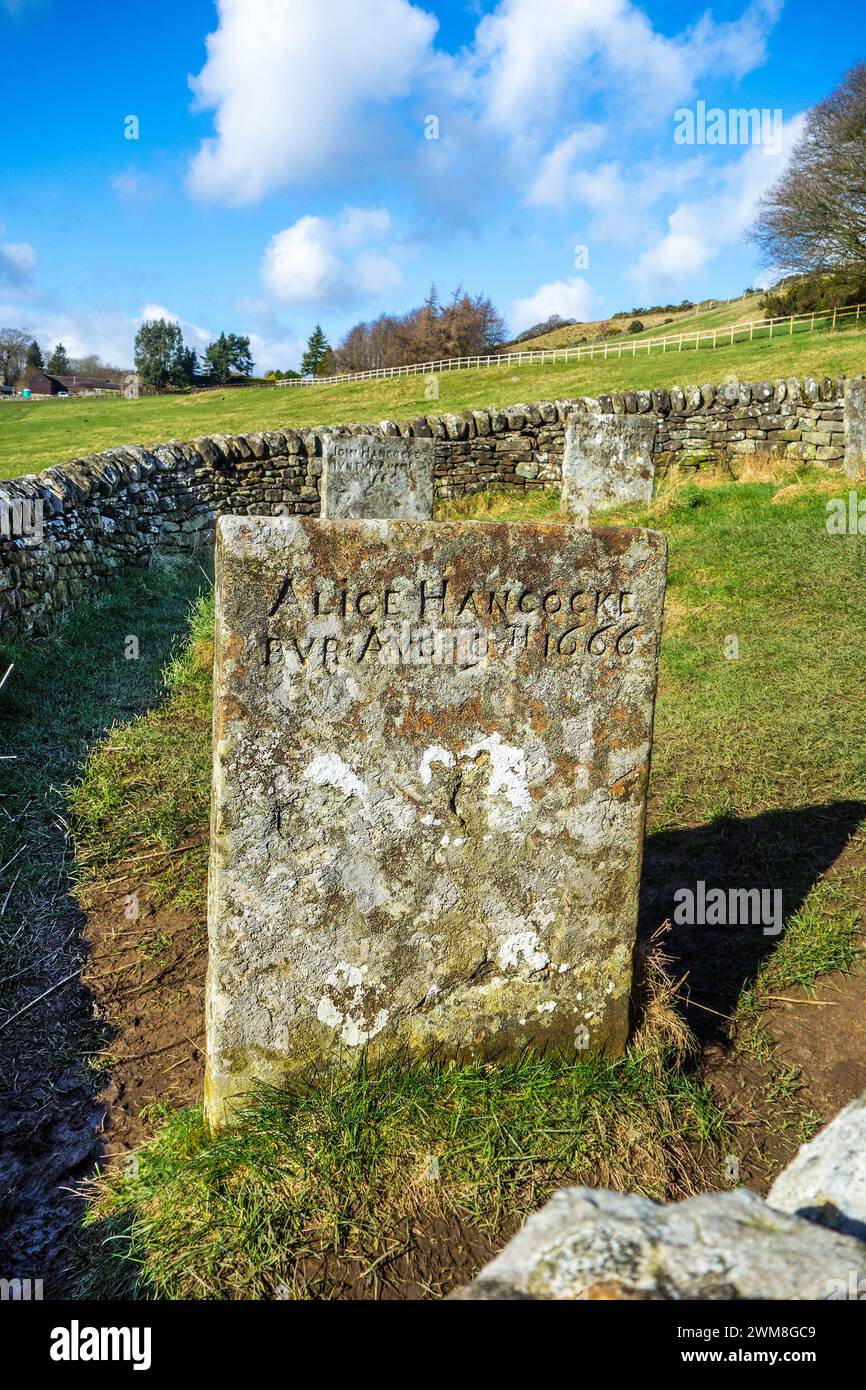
[[283, 172]]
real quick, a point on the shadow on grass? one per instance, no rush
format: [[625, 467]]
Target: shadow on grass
[[63, 694], [788, 850]]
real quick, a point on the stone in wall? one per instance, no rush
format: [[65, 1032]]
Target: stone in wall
[[608, 461], [432, 745], [855, 427], [368, 477]]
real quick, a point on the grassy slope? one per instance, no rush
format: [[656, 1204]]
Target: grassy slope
[[726, 312], [343, 1170], [37, 434]]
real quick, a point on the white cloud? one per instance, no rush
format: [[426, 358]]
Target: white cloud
[[133, 187], [276, 354], [571, 299], [339, 260], [534, 57], [699, 229], [290, 84], [193, 335], [110, 335], [17, 262]]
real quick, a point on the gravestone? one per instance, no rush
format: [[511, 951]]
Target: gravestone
[[855, 427], [366, 476], [608, 461], [431, 752]]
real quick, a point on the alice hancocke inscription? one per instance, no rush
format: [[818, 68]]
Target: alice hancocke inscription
[[431, 753]]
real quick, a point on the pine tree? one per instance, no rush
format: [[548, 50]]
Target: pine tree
[[317, 349], [227, 353], [59, 363], [35, 362]]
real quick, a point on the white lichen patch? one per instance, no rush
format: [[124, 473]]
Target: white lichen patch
[[436, 754], [347, 1014], [522, 946], [329, 770]]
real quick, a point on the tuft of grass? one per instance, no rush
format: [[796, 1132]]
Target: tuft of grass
[[320, 1178]]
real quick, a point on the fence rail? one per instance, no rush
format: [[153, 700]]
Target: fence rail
[[821, 320]]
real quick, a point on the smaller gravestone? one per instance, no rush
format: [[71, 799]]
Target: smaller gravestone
[[368, 478], [855, 427], [608, 461]]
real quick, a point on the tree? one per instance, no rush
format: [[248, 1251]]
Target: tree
[[13, 354], [228, 353], [814, 217], [59, 363], [317, 347], [184, 366], [157, 344], [34, 362]]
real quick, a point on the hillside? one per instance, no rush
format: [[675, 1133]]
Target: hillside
[[36, 434], [710, 314]]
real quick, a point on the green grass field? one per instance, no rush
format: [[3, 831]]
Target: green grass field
[[37, 434]]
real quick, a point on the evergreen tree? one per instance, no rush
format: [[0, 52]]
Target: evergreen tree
[[229, 352], [34, 362], [59, 363], [157, 344], [184, 366], [317, 349]]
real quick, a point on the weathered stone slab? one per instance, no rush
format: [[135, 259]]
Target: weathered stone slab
[[608, 461], [594, 1244], [826, 1181], [432, 746], [364, 476], [855, 427]]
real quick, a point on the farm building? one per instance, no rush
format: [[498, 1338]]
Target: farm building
[[45, 385]]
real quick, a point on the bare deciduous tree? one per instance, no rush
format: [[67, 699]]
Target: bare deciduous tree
[[462, 327], [814, 218], [13, 354]]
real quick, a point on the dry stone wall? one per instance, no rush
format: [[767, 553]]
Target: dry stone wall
[[135, 506]]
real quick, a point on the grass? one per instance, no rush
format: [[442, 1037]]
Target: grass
[[323, 1191], [318, 1181], [63, 696], [37, 434]]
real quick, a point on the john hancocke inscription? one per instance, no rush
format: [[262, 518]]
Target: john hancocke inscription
[[367, 476], [431, 754]]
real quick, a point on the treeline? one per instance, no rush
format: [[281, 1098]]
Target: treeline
[[464, 326], [163, 359], [816, 292]]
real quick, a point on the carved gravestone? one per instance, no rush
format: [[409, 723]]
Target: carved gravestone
[[366, 476], [608, 461], [855, 427], [431, 752]]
